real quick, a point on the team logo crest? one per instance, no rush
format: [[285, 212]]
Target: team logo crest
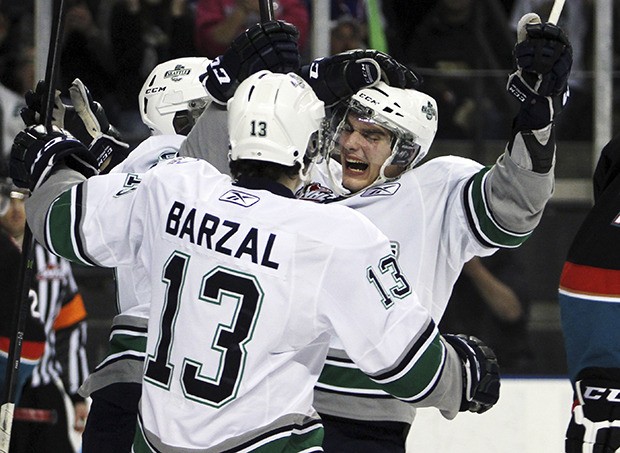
[[177, 73], [315, 192], [384, 190], [240, 198], [429, 110]]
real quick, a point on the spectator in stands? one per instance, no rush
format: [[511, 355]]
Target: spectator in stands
[[16, 70], [218, 22], [347, 34], [144, 33], [86, 55], [456, 37]]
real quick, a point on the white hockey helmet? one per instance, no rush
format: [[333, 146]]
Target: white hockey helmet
[[275, 118], [173, 97], [410, 115]]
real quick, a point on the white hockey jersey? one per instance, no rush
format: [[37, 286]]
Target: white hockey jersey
[[125, 360], [437, 216], [246, 289]]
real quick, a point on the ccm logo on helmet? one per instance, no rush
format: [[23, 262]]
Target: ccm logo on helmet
[[155, 90], [596, 393], [368, 98]]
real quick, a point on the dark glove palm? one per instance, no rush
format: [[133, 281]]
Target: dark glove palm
[[545, 58], [271, 45]]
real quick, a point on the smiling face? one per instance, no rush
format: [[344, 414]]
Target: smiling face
[[364, 147]]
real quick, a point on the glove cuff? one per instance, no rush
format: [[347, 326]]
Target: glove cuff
[[109, 151]]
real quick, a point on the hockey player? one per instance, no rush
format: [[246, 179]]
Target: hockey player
[[171, 99], [437, 215], [590, 312], [247, 284]]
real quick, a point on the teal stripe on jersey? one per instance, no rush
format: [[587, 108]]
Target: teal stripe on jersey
[[59, 229], [485, 225]]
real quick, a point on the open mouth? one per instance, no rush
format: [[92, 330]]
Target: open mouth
[[356, 166]]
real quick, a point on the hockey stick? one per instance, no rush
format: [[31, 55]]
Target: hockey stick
[[556, 10], [266, 10], [27, 262]]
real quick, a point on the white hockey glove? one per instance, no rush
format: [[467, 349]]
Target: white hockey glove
[[595, 422], [84, 118], [481, 379]]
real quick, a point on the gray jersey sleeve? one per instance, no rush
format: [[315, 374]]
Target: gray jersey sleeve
[[208, 139], [36, 206], [515, 194]]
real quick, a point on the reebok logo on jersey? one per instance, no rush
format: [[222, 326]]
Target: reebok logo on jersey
[[384, 190], [616, 221], [241, 198]]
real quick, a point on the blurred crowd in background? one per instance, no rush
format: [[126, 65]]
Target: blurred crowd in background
[[462, 47]]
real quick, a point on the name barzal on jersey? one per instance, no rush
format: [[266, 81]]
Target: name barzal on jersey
[[221, 235]]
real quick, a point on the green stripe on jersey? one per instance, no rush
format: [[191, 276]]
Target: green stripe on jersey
[[121, 343], [417, 382], [486, 225], [60, 228], [347, 380]]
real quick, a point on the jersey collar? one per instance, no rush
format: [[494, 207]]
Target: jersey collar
[[250, 182]]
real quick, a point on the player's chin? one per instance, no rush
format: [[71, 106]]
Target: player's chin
[[355, 181]]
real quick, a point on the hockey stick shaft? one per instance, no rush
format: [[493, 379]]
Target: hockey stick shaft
[[266, 10], [52, 64], [20, 314], [556, 10]]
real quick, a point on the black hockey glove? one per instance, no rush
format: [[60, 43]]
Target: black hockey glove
[[35, 152], [85, 119], [392, 72], [271, 45], [543, 60], [481, 379], [595, 422], [109, 152], [337, 78]]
